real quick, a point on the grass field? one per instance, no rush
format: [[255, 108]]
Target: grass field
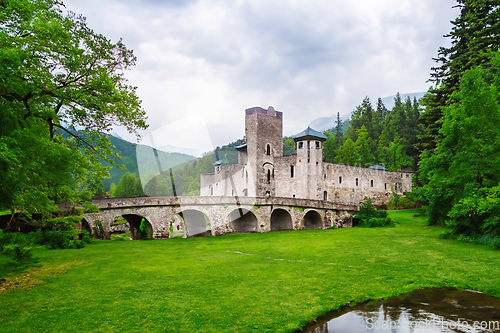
[[272, 282]]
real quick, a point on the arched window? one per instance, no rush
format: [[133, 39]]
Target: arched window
[[268, 176], [268, 150], [301, 145]]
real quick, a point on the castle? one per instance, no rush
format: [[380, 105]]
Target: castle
[[262, 170]]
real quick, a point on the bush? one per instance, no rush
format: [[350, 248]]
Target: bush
[[53, 239], [376, 222], [369, 217]]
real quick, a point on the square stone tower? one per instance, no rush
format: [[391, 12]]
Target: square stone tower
[[264, 133]]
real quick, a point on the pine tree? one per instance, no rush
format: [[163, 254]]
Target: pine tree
[[474, 37], [338, 129]]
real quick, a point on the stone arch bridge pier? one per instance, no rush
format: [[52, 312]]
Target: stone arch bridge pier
[[215, 216]]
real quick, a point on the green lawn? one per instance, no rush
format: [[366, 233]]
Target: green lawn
[[272, 282]]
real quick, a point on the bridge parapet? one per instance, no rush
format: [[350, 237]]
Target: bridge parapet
[[116, 203]]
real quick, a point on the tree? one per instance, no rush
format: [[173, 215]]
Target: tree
[[347, 153], [338, 129], [57, 75], [364, 148], [474, 36], [468, 155], [330, 146]]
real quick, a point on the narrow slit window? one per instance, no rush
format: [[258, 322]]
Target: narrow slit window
[[268, 150], [371, 183], [325, 195], [291, 171], [357, 182], [340, 180], [317, 145]]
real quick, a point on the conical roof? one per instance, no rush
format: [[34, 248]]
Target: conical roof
[[309, 134]]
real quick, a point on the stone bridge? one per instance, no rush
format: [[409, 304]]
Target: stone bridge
[[206, 215]]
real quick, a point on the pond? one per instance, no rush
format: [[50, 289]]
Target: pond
[[426, 310]]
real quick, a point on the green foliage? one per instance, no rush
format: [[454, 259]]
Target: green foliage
[[399, 201], [57, 74], [347, 153], [330, 147], [128, 186], [17, 246], [288, 146], [54, 239], [468, 154], [145, 228], [369, 217], [476, 215]]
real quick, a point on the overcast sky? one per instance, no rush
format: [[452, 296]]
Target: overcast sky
[[202, 63]]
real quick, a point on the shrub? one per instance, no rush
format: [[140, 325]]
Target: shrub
[[369, 217], [376, 222], [53, 239], [144, 227]]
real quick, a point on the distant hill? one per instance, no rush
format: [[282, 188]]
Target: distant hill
[[148, 162], [325, 123]]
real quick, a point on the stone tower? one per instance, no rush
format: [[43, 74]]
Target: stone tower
[[309, 146], [264, 133]]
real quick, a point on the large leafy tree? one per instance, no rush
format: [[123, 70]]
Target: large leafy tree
[[61, 87], [475, 32], [468, 155]]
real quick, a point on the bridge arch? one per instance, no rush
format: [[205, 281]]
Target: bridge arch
[[312, 220], [138, 229], [281, 220], [86, 226], [243, 221], [196, 222]]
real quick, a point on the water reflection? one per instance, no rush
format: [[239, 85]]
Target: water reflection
[[422, 311]]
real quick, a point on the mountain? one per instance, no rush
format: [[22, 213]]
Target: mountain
[[141, 159], [325, 123]]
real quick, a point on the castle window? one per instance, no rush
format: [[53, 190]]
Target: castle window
[[371, 183], [317, 145], [340, 180], [356, 181], [291, 171], [211, 190], [324, 176], [245, 192], [385, 186], [301, 145], [293, 196], [273, 173], [268, 150], [268, 176], [325, 195], [308, 144], [232, 193], [246, 174]]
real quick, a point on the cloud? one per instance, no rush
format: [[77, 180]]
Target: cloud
[[213, 59]]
